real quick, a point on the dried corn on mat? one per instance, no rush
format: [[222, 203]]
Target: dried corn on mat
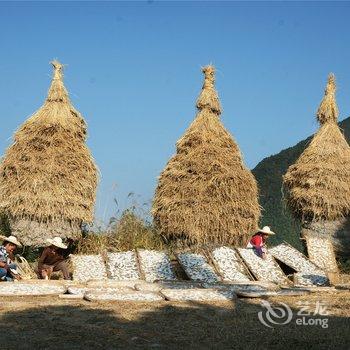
[[230, 265], [87, 267], [122, 296], [263, 269], [197, 268], [123, 266], [309, 273], [155, 265], [321, 252], [198, 294], [23, 289], [293, 258]]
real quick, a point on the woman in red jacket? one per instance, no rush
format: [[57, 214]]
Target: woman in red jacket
[[257, 242]]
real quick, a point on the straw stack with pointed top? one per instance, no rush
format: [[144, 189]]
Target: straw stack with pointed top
[[317, 186], [205, 194], [48, 177]]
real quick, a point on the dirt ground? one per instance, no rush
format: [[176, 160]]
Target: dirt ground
[[53, 323]]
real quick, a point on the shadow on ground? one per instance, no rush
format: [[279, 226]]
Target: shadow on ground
[[82, 325]]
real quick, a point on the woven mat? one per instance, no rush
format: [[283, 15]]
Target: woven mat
[[230, 265], [87, 267], [263, 269], [155, 265], [321, 253], [197, 268], [123, 266]]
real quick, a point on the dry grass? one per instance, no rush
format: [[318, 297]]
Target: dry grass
[[48, 177], [317, 186], [129, 232], [25, 269], [51, 323], [93, 243], [205, 194]]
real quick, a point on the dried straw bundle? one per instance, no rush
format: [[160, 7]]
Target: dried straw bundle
[[24, 268], [205, 193], [48, 177], [317, 185]]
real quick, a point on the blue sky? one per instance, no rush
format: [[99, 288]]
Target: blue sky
[[133, 71]]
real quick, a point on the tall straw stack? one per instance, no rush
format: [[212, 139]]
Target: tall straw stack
[[317, 186], [48, 177], [205, 194]]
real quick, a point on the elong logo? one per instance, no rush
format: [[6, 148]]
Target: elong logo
[[275, 316], [282, 314]]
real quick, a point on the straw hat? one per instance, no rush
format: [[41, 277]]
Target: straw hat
[[11, 239], [267, 231], [57, 242]]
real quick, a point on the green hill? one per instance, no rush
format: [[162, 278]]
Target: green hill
[[269, 174]]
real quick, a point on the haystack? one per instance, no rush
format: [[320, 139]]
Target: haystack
[[48, 177], [317, 186], [205, 194]]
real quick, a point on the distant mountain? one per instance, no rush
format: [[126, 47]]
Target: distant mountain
[[269, 174]]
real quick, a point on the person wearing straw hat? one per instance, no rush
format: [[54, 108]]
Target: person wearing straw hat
[[258, 241], [52, 259], [8, 269]]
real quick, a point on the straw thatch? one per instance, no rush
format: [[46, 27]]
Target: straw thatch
[[48, 178], [205, 193], [317, 186]]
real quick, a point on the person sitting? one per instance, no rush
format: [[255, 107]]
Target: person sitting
[[257, 242], [8, 269], [52, 259]]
